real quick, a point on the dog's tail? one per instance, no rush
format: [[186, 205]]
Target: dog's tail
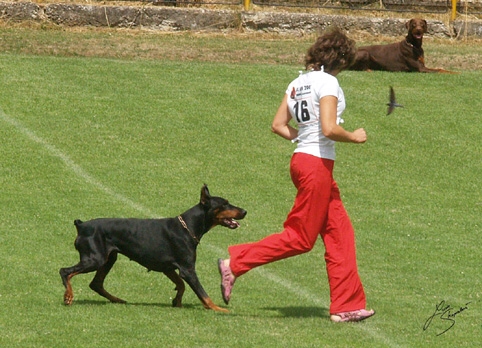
[[77, 222]]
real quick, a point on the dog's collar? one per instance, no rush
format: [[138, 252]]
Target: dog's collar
[[183, 223], [411, 44]]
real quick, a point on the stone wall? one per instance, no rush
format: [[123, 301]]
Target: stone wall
[[177, 19]]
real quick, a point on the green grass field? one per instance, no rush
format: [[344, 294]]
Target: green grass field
[[87, 137]]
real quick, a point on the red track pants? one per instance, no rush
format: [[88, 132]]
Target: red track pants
[[317, 210]]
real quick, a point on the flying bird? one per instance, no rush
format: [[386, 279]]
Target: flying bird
[[393, 103]]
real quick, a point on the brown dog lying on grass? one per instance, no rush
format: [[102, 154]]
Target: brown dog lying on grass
[[405, 56]]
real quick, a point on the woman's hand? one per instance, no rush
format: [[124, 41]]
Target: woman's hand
[[359, 136]]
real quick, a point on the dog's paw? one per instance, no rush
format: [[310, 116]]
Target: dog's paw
[[68, 299], [114, 299], [176, 303], [220, 309]]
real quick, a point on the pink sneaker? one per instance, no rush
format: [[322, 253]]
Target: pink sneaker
[[359, 315], [227, 280]]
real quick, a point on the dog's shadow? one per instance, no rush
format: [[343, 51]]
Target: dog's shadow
[[300, 312], [140, 304]]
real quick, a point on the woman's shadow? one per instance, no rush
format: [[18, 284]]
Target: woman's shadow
[[301, 312]]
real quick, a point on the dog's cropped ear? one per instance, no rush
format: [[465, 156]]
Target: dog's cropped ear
[[205, 196]]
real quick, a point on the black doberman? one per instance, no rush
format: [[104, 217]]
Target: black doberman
[[162, 245]]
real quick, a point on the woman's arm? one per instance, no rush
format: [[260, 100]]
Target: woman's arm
[[281, 122], [331, 130]]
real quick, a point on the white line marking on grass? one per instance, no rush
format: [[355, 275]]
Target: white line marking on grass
[[52, 150], [76, 169]]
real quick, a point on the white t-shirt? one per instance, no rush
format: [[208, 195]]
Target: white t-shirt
[[304, 94]]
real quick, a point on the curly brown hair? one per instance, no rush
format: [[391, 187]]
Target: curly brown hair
[[333, 50]]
